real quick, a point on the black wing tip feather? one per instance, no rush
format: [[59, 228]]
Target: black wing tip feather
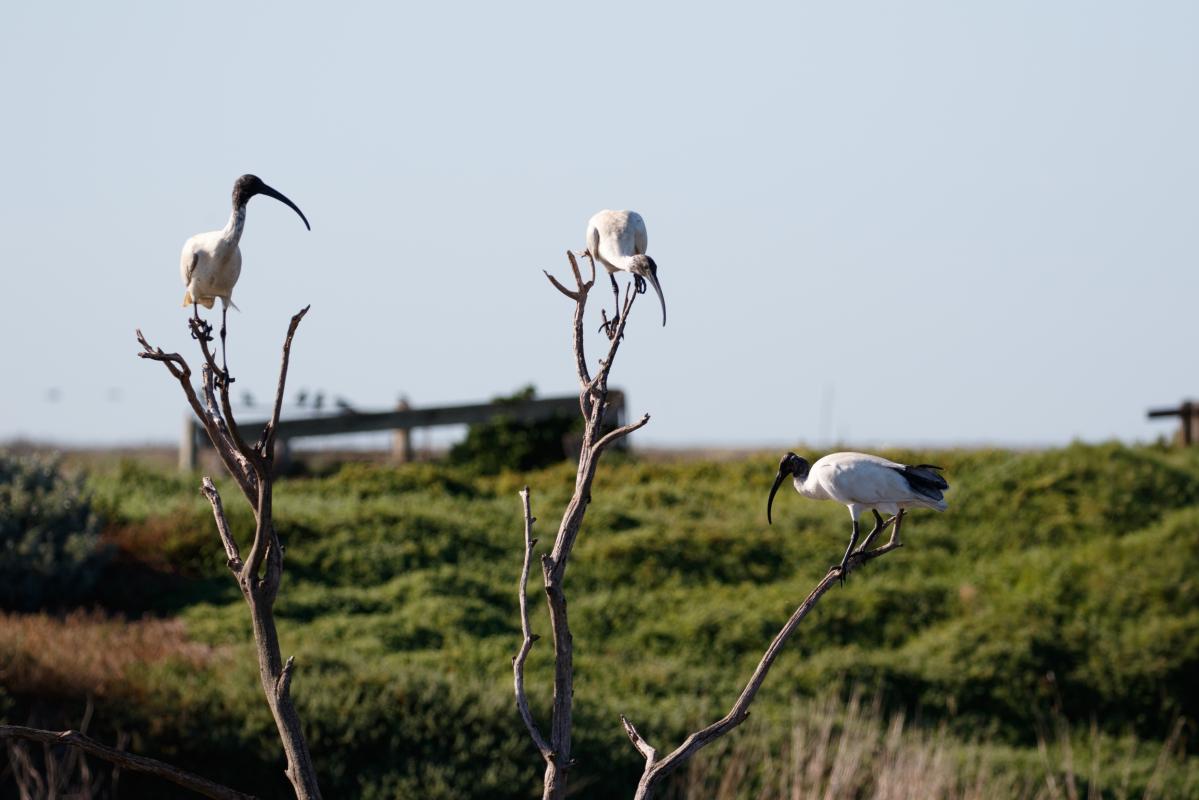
[[921, 479]]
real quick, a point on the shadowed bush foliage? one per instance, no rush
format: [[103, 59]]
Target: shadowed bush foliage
[[50, 551], [504, 443]]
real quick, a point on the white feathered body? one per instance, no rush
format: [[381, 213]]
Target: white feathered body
[[211, 264], [614, 237], [862, 482]]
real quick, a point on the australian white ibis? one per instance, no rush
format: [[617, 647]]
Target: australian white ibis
[[862, 482], [617, 240], [211, 262]]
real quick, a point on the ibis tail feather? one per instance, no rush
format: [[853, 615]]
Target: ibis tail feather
[[188, 300], [924, 480]]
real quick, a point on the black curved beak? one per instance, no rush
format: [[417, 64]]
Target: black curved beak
[[778, 481], [657, 288], [283, 199]]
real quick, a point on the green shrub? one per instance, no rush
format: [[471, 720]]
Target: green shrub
[[504, 443], [50, 551]]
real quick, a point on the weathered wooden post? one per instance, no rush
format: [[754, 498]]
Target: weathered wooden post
[[1188, 425], [401, 438], [282, 455], [187, 445]]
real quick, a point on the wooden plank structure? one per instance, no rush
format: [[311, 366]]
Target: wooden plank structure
[[402, 421], [1188, 418]]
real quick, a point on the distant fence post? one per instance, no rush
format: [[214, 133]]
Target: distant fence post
[[282, 455], [401, 439], [188, 445], [1188, 420], [617, 404]]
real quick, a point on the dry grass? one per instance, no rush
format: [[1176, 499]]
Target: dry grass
[[852, 751], [86, 653]]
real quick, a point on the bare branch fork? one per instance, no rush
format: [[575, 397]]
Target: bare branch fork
[[137, 763], [593, 399], [259, 575], [656, 769]]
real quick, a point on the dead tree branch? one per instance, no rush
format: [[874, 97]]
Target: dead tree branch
[[657, 769], [518, 661], [259, 576], [593, 400], [75, 739]]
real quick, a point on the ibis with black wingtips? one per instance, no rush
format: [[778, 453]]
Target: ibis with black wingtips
[[863, 482]]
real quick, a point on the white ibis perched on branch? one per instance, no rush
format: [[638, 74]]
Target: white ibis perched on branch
[[864, 482], [211, 262], [617, 240]]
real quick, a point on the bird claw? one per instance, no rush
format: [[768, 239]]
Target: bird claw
[[639, 284], [610, 325], [200, 329]]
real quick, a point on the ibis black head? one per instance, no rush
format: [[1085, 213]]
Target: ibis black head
[[648, 269], [247, 186], [790, 464]]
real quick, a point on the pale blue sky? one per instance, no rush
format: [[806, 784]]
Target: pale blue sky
[[960, 222]]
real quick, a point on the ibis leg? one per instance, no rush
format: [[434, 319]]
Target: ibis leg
[[879, 524], [609, 326], [853, 539], [200, 328], [224, 356], [895, 531]]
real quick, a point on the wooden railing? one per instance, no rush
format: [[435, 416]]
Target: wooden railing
[[1188, 418], [402, 420]]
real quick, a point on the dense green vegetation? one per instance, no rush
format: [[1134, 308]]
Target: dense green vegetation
[[505, 443], [50, 551], [1061, 584]]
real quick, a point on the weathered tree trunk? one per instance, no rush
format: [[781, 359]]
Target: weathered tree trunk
[[593, 399]]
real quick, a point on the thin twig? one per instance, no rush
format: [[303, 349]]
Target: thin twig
[[518, 661], [215, 376], [245, 451], [283, 684], [269, 438], [574, 267], [579, 296], [222, 525], [621, 432], [572, 295], [600, 382], [642, 746], [75, 739], [213, 424]]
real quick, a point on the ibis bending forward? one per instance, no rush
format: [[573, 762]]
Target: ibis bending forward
[[617, 240], [211, 262], [862, 482]]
